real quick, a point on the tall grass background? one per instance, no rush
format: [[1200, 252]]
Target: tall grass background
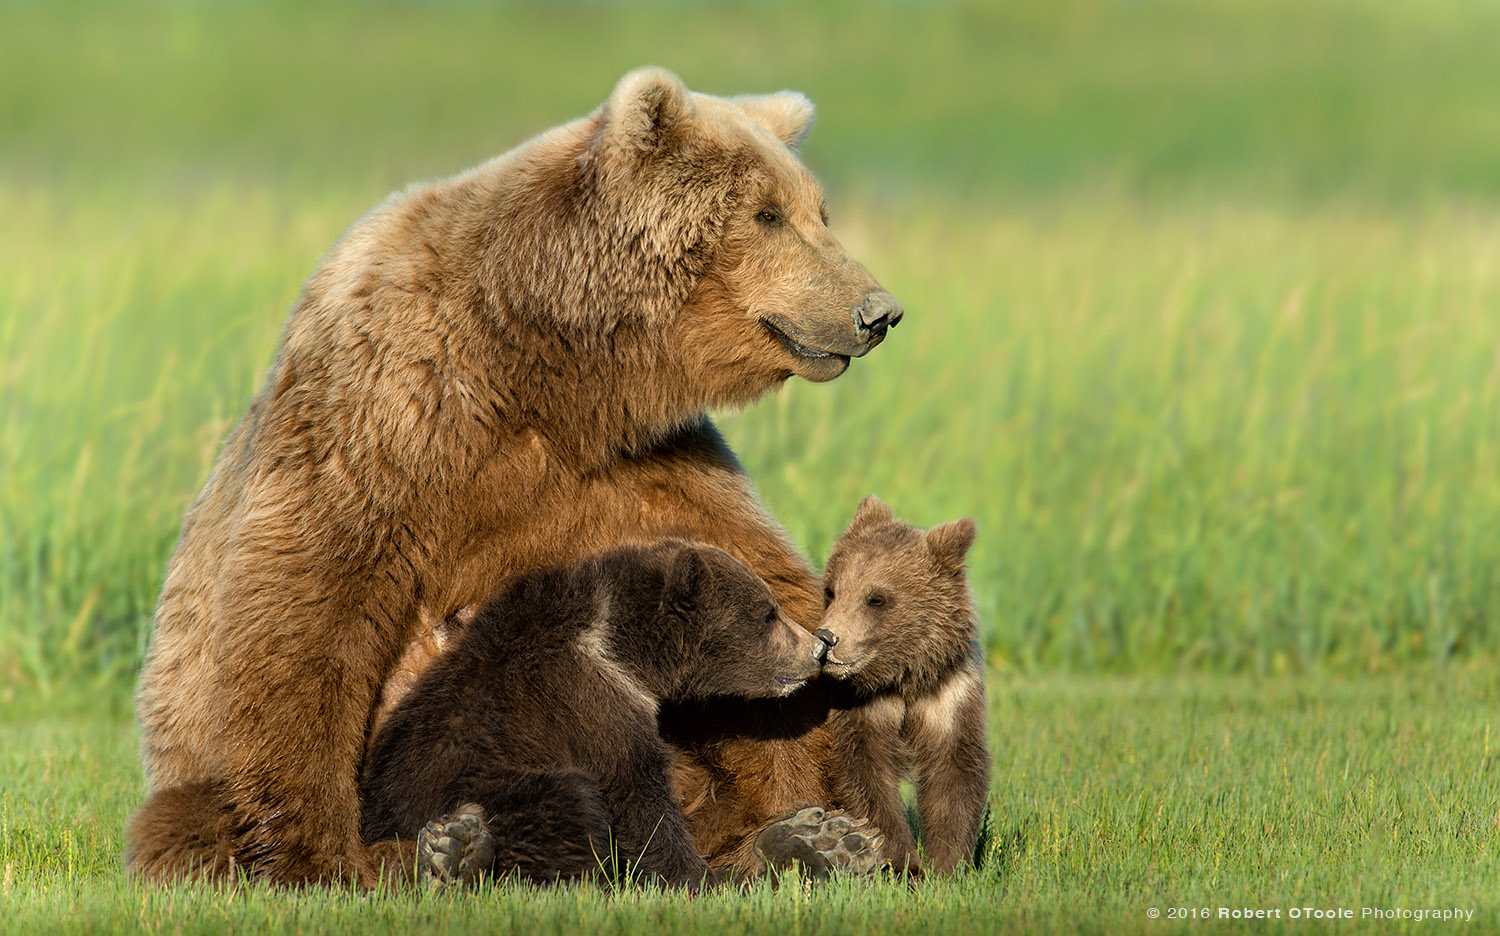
[[1203, 296]]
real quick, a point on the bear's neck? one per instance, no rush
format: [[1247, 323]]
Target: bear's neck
[[950, 646], [594, 395], [578, 295]]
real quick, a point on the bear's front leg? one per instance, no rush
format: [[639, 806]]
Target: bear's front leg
[[648, 829], [308, 633], [947, 736], [867, 766]]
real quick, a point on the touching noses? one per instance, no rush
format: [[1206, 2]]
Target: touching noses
[[826, 642], [878, 312]]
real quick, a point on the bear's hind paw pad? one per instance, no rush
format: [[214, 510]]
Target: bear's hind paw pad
[[456, 850], [822, 842]]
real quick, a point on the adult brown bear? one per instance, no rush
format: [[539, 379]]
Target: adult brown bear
[[486, 376]]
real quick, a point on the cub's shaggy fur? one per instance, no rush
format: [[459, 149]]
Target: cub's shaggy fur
[[485, 376], [901, 622], [543, 712]]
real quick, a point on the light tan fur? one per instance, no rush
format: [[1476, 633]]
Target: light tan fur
[[901, 621], [592, 649]]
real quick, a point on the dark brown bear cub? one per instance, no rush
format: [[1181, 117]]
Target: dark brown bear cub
[[543, 715], [900, 621]]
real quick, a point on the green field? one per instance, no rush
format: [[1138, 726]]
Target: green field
[[1203, 328], [1111, 797]]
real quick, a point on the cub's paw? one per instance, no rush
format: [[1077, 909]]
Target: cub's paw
[[822, 842], [455, 850]]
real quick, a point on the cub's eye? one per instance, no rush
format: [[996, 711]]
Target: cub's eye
[[828, 595], [823, 213], [771, 615], [769, 216], [876, 600]]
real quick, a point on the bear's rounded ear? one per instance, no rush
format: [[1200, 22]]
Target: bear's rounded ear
[[789, 115], [647, 110], [684, 579], [872, 510], [949, 542]]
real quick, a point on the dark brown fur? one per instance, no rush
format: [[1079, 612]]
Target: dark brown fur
[[485, 376], [544, 711], [907, 649]]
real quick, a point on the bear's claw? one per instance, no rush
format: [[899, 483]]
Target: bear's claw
[[456, 850], [822, 842]]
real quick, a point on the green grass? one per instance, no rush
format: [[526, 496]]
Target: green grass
[[1111, 797], [1204, 328], [1217, 412]]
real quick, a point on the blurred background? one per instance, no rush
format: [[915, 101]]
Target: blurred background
[[1204, 297]]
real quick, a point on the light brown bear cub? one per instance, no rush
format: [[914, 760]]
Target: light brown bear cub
[[900, 624]]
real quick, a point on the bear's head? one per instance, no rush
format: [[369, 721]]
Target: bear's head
[[897, 605], [737, 642], [722, 235]]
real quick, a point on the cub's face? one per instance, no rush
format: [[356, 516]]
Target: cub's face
[[897, 603], [746, 646]]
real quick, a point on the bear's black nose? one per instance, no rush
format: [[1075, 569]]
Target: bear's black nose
[[826, 641], [878, 312]]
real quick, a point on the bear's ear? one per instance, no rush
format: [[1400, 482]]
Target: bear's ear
[[787, 114], [949, 543], [684, 580], [872, 510], [647, 110]]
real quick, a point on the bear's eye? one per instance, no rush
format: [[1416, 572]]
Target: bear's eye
[[828, 595], [876, 600], [771, 615], [769, 216], [823, 213]]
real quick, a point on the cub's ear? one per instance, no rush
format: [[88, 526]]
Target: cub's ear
[[787, 114], [950, 542], [648, 109], [872, 510], [684, 580]]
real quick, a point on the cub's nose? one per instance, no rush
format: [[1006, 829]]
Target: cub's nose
[[826, 642], [878, 312]]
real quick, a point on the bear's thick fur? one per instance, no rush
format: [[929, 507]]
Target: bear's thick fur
[[486, 376], [558, 680], [901, 622]]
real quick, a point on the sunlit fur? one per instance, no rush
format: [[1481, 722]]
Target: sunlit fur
[[484, 376], [898, 603]]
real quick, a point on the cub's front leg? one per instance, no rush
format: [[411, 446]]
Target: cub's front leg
[[946, 734], [869, 758], [648, 829]]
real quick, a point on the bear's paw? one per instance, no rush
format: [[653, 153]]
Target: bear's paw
[[821, 842], [457, 850]]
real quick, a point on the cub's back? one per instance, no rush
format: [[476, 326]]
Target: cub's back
[[518, 689]]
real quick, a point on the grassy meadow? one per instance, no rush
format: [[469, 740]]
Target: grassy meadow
[[1203, 328]]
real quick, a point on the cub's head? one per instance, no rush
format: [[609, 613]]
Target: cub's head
[[897, 602], [740, 643], [714, 199]]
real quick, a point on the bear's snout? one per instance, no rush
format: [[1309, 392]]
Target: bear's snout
[[802, 656], [875, 315], [826, 642]]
